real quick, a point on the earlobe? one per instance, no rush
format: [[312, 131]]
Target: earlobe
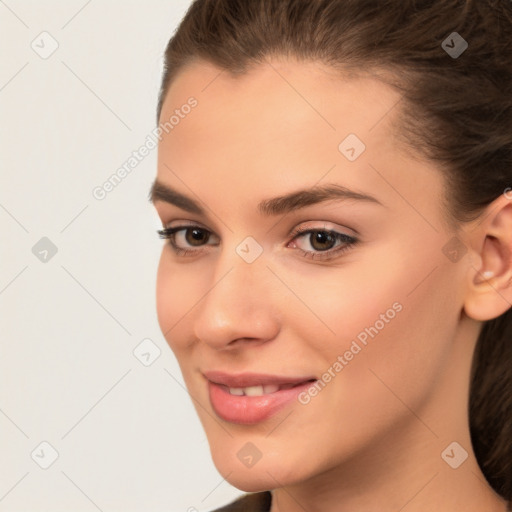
[[489, 292]]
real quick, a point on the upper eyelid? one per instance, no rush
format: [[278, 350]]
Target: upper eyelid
[[342, 230], [326, 225]]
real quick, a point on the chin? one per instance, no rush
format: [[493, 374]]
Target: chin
[[253, 484], [263, 476]]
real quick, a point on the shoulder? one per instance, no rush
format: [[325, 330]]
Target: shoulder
[[252, 502]]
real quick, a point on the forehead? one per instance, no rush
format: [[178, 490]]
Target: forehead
[[278, 107], [288, 89], [281, 124]]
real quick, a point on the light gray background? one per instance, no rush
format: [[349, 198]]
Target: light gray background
[[127, 435]]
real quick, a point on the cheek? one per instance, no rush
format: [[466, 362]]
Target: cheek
[[395, 319], [174, 298], [414, 352], [399, 369], [163, 299]]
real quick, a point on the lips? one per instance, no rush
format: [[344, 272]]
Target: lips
[[248, 398], [249, 410], [248, 380]]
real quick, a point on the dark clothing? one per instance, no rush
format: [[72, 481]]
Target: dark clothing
[[252, 502], [260, 502]]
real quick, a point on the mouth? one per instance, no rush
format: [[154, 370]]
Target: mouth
[[255, 380], [261, 390], [251, 398]]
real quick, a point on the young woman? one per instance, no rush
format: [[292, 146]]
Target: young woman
[[334, 181]]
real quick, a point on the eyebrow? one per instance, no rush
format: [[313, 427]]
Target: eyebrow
[[269, 207]]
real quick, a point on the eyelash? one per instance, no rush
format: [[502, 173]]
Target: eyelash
[[350, 241]]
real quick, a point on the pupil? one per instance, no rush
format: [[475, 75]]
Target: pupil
[[197, 236]]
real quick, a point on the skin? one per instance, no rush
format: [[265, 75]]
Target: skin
[[372, 438]]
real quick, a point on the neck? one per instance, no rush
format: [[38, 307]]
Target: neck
[[401, 478]]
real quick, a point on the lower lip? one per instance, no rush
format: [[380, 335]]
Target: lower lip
[[248, 410]]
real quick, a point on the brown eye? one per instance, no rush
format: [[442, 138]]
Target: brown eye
[[321, 240], [183, 239], [197, 236], [322, 244]]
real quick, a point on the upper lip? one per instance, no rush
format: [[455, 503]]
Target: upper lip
[[243, 380]]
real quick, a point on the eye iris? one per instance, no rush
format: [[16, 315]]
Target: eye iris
[[322, 237], [198, 235]]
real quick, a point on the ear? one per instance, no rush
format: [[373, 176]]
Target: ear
[[489, 292]]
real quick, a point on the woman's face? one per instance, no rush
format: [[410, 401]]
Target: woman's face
[[368, 304]]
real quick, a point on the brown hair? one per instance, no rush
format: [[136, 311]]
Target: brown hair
[[456, 111]]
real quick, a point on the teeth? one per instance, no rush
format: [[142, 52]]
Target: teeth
[[257, 390], [253, 391], [271, 388]]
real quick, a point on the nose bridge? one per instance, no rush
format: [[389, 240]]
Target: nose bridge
[[238, 302], [241, 272]]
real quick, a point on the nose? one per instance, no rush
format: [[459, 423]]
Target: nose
[[238, 307]]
